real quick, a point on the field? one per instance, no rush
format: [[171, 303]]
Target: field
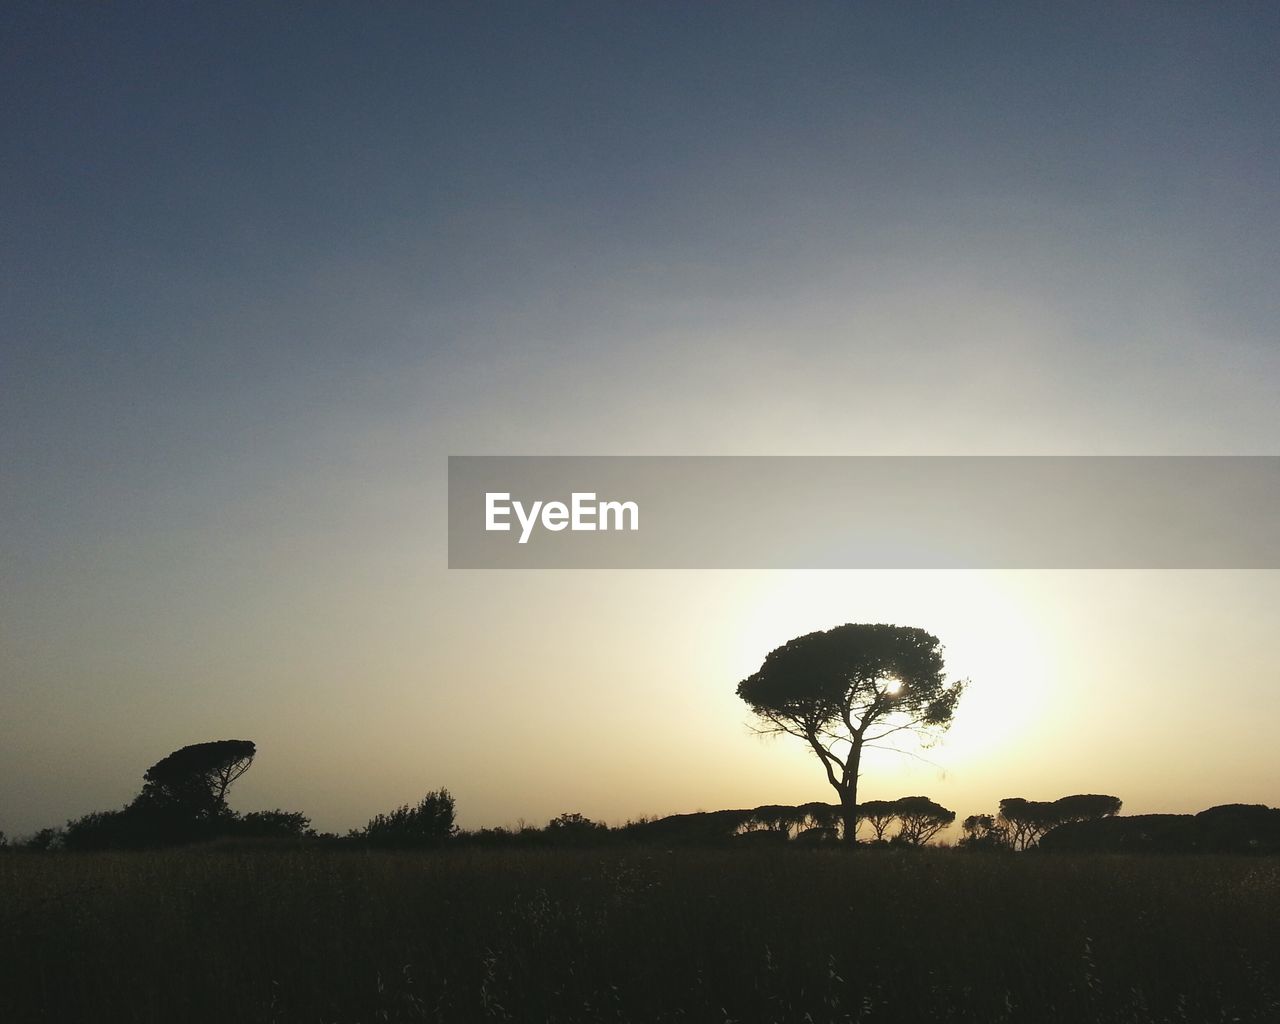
[[228, 935]]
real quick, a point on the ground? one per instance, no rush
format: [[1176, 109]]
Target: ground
[[636, 934]]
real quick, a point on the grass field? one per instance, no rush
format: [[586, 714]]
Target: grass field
[[636, 935]]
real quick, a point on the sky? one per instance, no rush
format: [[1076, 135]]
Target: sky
[[266, 266]]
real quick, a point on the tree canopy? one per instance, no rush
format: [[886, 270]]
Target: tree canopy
[[429, 823], [197, 777], [921, 819], [1025, 822], [879, 814], [983, 832], [844, 689]]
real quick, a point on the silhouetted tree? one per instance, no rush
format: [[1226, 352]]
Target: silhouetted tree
[[847, 688], [572, 821], [983, 832], [817, 814], [697, 828], [427, 824], [1085, 807], [575, 828], [780, 818], [1027, 821], [195, 779], [1229, 828], [1239, 828], [183, 800], [921, 819], [276, 824], [879, 814], [1142, 833]]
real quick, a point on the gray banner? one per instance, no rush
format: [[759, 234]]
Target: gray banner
[[864, 512]]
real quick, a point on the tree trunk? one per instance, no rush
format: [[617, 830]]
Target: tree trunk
[[849, 794], [849, 816]]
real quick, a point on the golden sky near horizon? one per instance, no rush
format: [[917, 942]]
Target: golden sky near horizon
[[528, 694]]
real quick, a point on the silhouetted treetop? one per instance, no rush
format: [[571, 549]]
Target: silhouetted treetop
[[428, 823], [840, 668], [1229, 828], [197, 777], [1026, 821], [921, 819], [983, 832], [1086, 807], [879, 814], [574, 821], [846, 688], [817, 814], [1237, 812]]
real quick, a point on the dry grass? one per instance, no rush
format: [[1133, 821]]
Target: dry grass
[[635, 935]]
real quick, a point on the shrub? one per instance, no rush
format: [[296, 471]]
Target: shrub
[[428, 824], [275, 824]]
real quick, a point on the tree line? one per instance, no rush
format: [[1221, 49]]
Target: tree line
[[844, 690], [841, 691], [183, 801], [1021, 824]]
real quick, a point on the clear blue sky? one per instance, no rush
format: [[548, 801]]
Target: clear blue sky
[[265, 265]]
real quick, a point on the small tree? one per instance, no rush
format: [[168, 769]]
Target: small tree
[[1026, 820], [570, 821], [817, 822], [427, 824], [879, 814], [921, 818], [575, 828], [983, 832], [848, 688], [276, 824]]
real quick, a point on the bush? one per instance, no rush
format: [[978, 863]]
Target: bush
[[818, 835], [101, 830], [576, 829], [428, 824], [43, 841], [983, 832], [275, 824]]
